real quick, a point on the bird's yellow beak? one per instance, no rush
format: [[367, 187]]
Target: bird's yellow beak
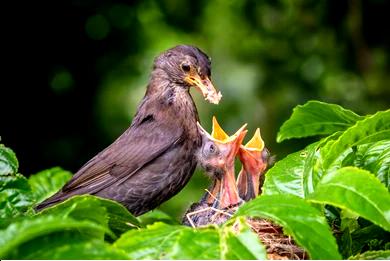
[[205, 87], [256, 143], [218, 134]]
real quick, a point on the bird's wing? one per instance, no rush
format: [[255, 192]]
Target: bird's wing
[[133, 150]]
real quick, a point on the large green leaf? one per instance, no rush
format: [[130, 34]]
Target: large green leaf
[[316, 118], [17, 234], [372, 255], [358, 191], [162, 241], [294, 174], [8, 162], [47, 182], [299, 219], [370, 129], [105, 212]]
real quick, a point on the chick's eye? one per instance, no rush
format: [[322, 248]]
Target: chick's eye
[[210, 149], [265, 154], [185, 67]]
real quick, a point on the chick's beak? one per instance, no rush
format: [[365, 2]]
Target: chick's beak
[[204, 85], [235, 143]]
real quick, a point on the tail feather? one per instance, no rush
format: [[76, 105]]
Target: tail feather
[[55, 199]]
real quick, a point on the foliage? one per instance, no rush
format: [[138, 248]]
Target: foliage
[[332, 198], [346, 173]]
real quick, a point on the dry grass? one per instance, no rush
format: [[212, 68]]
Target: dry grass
[[278, 245]]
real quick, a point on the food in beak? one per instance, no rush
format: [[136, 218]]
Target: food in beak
[[205, 87]]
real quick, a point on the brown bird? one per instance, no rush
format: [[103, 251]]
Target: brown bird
[[155, 157], [216, 157], [254, 158]]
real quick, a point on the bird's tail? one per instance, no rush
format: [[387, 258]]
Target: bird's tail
[[56, 198]]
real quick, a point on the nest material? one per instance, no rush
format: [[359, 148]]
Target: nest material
[[278, 245]]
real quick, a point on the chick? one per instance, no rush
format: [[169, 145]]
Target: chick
[[216, 156], [255, 159]]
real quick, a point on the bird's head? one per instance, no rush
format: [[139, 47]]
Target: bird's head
[[254, 158], [254, 155], [218, 149], [189, 67]]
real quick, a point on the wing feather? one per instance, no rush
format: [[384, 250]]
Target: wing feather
[[128, 154]]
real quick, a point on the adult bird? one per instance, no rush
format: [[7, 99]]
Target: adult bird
[[155, 157]]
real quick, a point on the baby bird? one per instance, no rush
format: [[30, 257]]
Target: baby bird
[[254, 158], [216, 156]]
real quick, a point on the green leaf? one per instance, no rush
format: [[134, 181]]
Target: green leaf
[[243, 244], [15, 193], [358, 191], [15, 196], [363, 238], [375, 157], [67, 246], [157, 215], [107, 213], [372, 255], [17, 234], [162, 241], [294, 174], [299, 219], [316, 118], [8, 162], [345, 243], [349, 224], [47, 182], [120, 220], [370, 129]]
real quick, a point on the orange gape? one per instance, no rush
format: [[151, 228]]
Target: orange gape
[[254, 159]]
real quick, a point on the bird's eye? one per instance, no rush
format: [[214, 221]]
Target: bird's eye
[[210, 149], [185, 67], [265, 155]]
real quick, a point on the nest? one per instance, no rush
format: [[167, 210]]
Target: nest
[[278, 245]]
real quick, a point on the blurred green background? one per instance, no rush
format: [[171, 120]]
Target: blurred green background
[[78, 69]]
